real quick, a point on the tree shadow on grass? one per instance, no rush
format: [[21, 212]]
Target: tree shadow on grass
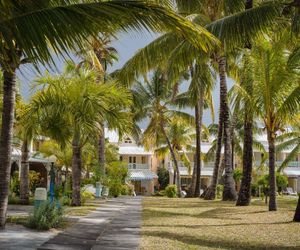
[[217, 243], [217, 225], [215, 213]]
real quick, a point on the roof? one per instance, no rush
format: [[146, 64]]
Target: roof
[[292, 171], [112, 135], [140, 175], [133, 150]]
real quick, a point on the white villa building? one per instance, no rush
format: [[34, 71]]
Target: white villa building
[[142, 164]]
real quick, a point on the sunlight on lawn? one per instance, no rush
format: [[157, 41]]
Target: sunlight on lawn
[[198, 224]]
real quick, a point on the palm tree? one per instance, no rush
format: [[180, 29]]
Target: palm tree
[[276, 93], [81, 105], [152, 100], [289, 140], [98, 55], [182, 137], [198, 96], [27, 127], [60, 27]]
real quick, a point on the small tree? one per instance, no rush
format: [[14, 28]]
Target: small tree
[[163, 177]]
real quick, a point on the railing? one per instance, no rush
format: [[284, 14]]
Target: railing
[[137, 166], [204, 164], [294, 164]]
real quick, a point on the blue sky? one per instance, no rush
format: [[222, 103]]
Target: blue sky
[[126, 45]]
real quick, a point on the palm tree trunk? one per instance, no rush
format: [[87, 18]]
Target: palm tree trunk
[[229, 192], [210, 193], [174, 177], [24, 175], [297, 212], [9, 96], [102, 150], [174, 160], [272, 172], [244, 196], [76, 172], [199, 116], [191, 191]]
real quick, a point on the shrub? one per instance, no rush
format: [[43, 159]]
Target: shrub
[[171, 191], [35, 180], [66, 201], [46, 216], [281, 182], [220, 189], [237, 174], [163, 177], [86, 195], [124, 190], [15, 184]]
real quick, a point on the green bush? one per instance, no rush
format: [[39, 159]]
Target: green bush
[[86, 195], [15, 200], [237, 174], [163, 177], [281, 182], [66, 201], [35, 180], [46, 216], [254, 189], [124, 190], [171, 191], [220, 189], [15, 184]]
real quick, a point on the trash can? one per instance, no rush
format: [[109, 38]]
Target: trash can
[[98, 189], [40, 196]]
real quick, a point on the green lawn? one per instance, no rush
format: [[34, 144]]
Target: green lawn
[[198, 224]]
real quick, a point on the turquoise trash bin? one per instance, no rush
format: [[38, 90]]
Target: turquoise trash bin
[[40, 196], [98, 189]]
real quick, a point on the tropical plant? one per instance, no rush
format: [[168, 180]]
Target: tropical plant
[[276, 93], [171, 191], [46, 216], [163, 177], [289, 140], [181, 136], [79, 106], [60, 27], [153, 99], [26, 128]]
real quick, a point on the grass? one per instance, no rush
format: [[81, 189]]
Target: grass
[[198, 224]]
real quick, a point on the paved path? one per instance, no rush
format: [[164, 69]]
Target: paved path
[[115, 225], [17, 237]]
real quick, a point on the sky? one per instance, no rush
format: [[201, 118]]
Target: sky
[[127, 45]]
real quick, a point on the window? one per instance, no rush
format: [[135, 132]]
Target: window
[[130, 159], [143, 160], [134, 159], [128, 140], [121, 158]]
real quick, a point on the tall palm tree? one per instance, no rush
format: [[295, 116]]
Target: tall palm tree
[[99, 54], [153, 100], [59, 27], [182, 137], [199, 96], [276, 93], [26, 127], [81, 105]]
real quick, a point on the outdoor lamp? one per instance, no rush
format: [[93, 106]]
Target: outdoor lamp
[[52, 159]]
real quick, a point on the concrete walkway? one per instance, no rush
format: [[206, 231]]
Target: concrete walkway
[[114, 225]]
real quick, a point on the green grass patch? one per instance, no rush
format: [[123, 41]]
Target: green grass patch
[[198, 224]]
